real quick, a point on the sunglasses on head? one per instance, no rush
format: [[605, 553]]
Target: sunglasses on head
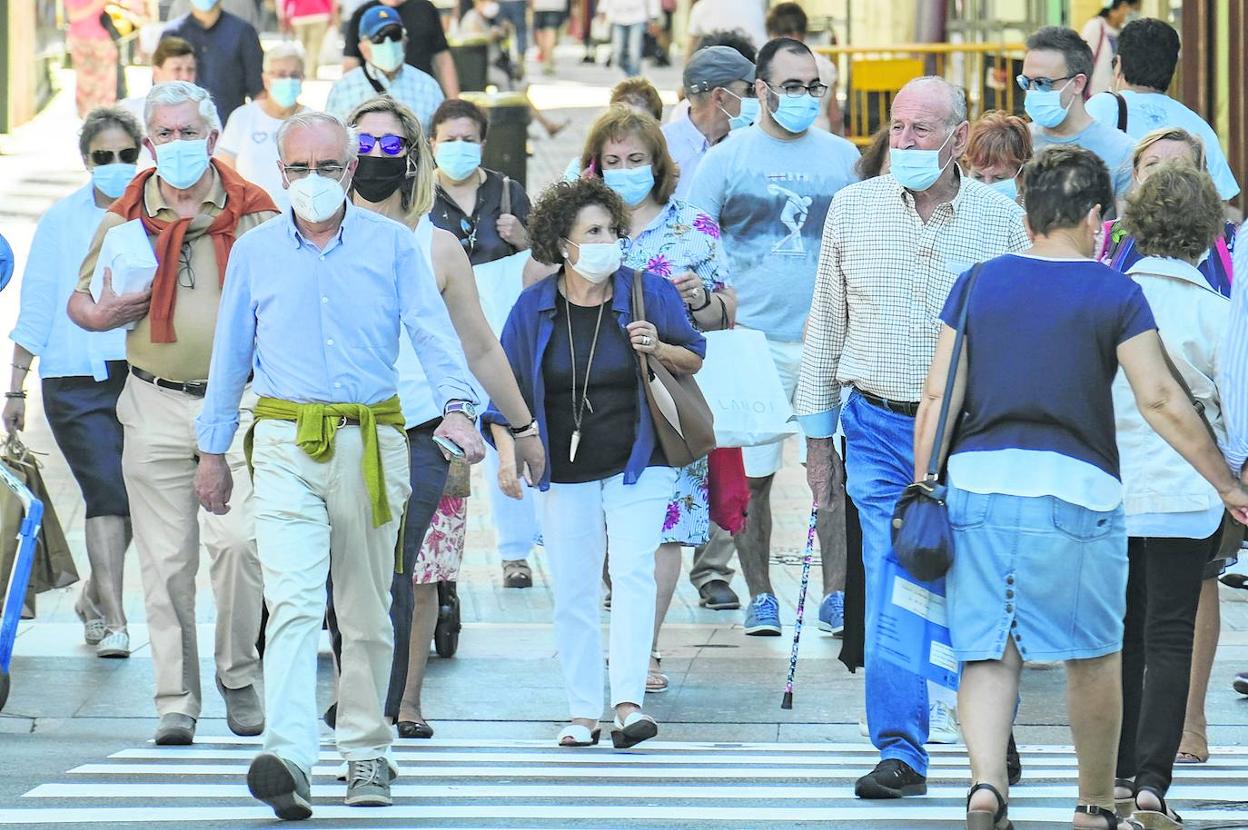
[[126, 156], [391, 144], [389, 34]]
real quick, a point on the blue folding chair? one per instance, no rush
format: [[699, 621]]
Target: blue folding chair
[[19, 577]]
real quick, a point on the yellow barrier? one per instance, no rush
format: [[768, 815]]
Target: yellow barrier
[[871, 75]]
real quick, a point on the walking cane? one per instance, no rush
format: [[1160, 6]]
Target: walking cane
[[787, 702]]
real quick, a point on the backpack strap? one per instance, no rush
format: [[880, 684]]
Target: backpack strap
[[1122, 110]]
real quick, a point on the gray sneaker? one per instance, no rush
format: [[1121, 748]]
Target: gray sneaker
[[282, 785], [244, 713], [175, 729], [368, 783]]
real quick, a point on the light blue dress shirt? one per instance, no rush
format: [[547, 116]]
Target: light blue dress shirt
[[1233, 373], [322, 326], [687, 146], [1148, 111], [51, 276]]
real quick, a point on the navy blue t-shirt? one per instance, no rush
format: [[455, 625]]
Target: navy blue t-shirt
[[228, 59], [1042, 340]]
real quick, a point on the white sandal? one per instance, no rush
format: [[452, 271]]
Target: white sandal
[[636, 728], [575, 734]]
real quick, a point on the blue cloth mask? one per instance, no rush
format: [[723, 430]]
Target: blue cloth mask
[[457, 159], [633, 184], [204, 5], [182, 162], [1045, 108], [796, 114], [111, 179], [749, 112], [388, 55], [917, 170], [285, 91]]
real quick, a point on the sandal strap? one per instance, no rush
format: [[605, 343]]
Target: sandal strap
[[1164, 809], [1002, 807], [1111, 818]]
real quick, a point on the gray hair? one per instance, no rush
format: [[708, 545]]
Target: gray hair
[[106, 118], [955, 93], [1075, 50], [284, 50], [172, 93], [312, 118]]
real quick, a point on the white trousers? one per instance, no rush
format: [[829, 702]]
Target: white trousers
[[579, 522], [313, 520], [515, 522]]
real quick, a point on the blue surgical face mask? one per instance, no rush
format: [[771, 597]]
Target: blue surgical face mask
[[457, 159], [111, 179], [796, 114], [285, 91], [749, 112], [917, 170], [1045, 108], [633, 184], [387, 55], [1007, 187], [204, 5], [182, 162]]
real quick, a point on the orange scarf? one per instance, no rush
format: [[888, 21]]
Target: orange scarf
[[241, 198]]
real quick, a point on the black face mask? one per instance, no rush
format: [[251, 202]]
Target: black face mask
[[377, 177]]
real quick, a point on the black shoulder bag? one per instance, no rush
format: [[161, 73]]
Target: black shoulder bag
[[922, 535]]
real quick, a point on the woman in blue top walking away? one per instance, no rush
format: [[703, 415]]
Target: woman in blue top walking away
[[571, 340], [1035, 497]]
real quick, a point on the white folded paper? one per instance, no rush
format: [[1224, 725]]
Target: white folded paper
[[127, 252]]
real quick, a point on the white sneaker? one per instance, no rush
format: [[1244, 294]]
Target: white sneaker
[[942, 722], [114, 644]]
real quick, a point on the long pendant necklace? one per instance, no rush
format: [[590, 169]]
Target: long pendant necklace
[[579, 407]]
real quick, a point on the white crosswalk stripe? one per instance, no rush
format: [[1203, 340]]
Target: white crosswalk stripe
[[531, 784]]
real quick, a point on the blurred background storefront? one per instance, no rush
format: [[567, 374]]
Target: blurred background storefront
[[32, 45]]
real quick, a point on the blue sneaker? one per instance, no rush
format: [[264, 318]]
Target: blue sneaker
[[832, 613], [762, 618]]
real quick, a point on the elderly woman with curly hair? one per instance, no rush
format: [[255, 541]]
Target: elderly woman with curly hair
[[572, 341], [997, 147], [1173, 515], [673, 239]]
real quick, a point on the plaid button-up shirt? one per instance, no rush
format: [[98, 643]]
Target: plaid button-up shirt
[[416, 90], [883, 278]]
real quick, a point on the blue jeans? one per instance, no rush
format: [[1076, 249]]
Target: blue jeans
[[879, 463], [626, 44], [516, 11]]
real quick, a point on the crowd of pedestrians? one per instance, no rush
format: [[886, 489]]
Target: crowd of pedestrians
[[348, 309]]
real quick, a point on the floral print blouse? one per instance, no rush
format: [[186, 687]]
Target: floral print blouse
[[681, 238]]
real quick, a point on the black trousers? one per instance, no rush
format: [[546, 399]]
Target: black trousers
[[1163, 589]]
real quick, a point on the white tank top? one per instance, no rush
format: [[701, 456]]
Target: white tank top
[[415, 393]]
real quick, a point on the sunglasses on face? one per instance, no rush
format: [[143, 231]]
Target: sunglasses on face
[[127, 156], [391, 144], [392, 34]]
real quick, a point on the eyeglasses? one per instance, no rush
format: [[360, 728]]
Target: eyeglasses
[[330, 170], [391, 144], [1039, 84], [389, 34], [796, 90], [126, 156]]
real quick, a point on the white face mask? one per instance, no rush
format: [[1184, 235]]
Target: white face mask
[[598, 261], [316, 198]]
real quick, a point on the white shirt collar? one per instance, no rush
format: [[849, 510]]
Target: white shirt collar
[[1169, 267]]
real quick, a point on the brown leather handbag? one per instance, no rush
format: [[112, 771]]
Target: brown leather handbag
[[682, 418]]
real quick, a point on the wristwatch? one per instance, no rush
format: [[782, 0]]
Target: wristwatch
[[527, 431], [465, 408]]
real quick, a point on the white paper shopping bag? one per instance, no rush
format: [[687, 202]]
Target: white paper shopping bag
[[741, 384]]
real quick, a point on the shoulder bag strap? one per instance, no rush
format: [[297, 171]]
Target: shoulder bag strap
[[1122, 110], [936, 459], [373, 82], [639, 313], [1187, 390], [505, 201]]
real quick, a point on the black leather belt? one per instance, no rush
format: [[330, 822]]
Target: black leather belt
[[900, 407], [194, 388]]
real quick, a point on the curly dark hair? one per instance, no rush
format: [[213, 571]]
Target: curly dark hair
[[1061, 184], [556, 210]]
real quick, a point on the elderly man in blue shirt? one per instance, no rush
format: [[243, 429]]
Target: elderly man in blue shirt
[[313, 304]]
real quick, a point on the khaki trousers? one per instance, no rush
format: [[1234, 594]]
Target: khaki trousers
[[312, 522], [159, 462], [311, 35]]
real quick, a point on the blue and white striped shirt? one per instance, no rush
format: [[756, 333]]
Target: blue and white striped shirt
[[1233, 377]]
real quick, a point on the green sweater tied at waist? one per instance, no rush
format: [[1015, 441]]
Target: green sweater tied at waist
[[315, 425]]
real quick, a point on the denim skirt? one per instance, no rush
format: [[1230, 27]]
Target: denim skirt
[[1048, 574]]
